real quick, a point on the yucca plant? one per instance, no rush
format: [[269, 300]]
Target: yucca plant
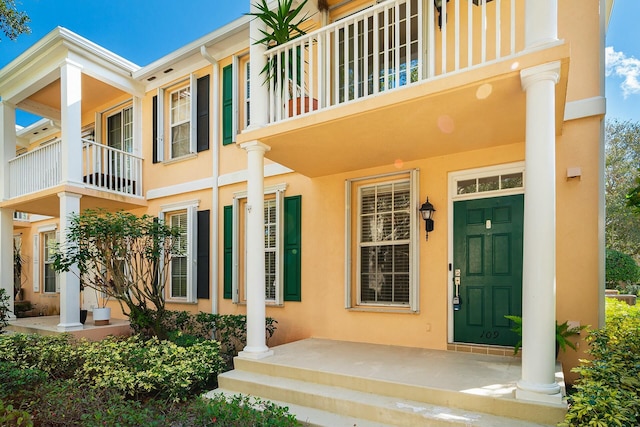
[[284, 23]]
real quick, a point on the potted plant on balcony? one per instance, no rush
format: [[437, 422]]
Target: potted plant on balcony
[[284, 23]]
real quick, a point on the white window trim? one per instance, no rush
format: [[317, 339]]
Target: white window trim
[[414, 245], [38, 268], [192, 246], [278, 191], [167, 90]]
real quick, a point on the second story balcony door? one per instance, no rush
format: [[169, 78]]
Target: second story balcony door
[[378, 49]]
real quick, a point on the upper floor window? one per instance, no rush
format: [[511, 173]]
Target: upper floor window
[[181, 119]]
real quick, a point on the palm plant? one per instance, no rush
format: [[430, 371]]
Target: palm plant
[[283, 24], [563, 333]]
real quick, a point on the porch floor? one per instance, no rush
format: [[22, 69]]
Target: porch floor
[[48, 325], [419, 381]]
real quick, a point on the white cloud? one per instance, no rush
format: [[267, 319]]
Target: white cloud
[[617, 63]]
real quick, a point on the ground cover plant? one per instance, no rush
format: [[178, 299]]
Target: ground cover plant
[[60, 381], [608, 390]]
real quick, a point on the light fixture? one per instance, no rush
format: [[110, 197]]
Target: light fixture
[[427, 210]]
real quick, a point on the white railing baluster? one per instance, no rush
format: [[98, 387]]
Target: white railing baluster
[[483, 30], [457, 36], [498, 33], [370, 47], [443, 33]]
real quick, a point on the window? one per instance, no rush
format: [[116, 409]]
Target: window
[[189, 267], [178, 264], [186, 107], [493, 182], [282, 243], [49, 274], [385, 232], [180, 122]]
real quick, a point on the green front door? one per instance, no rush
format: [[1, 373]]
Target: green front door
[[488, 259]]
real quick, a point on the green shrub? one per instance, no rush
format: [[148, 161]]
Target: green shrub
[[241, 411], [4, 309], [621, 270], [608, 390], [11, 417], [230, 330], [56, 355], [137, 367], [15, 378]]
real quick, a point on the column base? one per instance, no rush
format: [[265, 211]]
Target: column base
[[68, 327], [255, 353], [542, 393]]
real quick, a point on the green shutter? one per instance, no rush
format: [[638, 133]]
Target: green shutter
[[227, 105], [228, 252], [292, 246]]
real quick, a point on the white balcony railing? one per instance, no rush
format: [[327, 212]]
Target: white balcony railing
[[108, 168], [35, 170], [393, 44], [103, 167]]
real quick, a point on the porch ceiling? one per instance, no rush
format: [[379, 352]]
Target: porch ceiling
[[458, 112], [94, 94]]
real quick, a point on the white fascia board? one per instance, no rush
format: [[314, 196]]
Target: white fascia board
[[215, 39], [595, 106], [94, 67], [178, 73], [38, 73]]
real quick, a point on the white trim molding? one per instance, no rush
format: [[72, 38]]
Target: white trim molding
[[272, 169], [589, 107]]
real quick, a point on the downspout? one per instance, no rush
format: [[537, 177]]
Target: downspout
[[214, 104]]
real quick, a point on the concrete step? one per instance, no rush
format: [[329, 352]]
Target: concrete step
[[497, 401], [356, 404]]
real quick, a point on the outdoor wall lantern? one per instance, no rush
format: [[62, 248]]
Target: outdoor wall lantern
[[427, 210]]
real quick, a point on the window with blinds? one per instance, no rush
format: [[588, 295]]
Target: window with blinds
[[384, 224], [179, 256]]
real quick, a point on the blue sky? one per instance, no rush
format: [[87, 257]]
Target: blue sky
[[143, 31]]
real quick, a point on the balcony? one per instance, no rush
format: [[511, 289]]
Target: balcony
[[108, 174], [407, 79]]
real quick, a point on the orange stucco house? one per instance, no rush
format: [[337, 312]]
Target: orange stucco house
[[304, 204]]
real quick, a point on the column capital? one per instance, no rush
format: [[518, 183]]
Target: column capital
[[70, 62], [548, 71], [68, 194], [255, 145]]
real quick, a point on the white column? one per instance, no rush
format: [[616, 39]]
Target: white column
[[69, 281], [259, 107], [539, 247], [70, 105], [541, 22], [256, 342], [6, 255], [7, 152]]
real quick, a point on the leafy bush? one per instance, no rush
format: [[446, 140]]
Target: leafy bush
[[621, 270], [55, 355], [4, 309], [241, 411], [608, 390], [229, 330], [11, 417], [15, 378], [137, 367]]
